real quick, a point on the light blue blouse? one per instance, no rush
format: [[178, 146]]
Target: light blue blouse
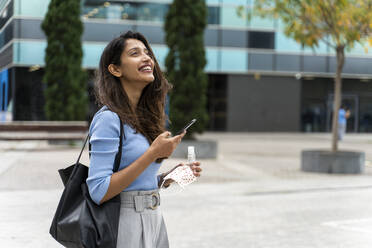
[[104, 134], [342, 116]]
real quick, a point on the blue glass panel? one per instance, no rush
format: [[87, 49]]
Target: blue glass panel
[[261, 61], [234, 60], [160, 54], [113, 11], [229, 17], [34, 8], [214, 15], [127, 11], [151, 12], [287, 62], [315, 64], [321, 48], [30, 52], [286, 44], [3, 3], [281, 25], [212, 60], [213, 1], [211, 37], [7, 34], [258, 22], [357, 65], [92, 54], [6, 12], [359, 49], [235, 2], [234, 38]]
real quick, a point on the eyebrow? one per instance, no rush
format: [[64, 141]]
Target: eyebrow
[[137, 48]]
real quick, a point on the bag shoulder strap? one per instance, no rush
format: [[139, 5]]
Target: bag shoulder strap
[[82, 149], [119, 152]]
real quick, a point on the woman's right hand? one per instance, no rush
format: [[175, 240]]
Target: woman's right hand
[[164, 145]]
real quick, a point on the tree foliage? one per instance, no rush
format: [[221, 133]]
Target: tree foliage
[[335, 22], [66, 89], [185, 62], [338, 23]]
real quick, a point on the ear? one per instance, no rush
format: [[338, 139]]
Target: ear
[[114, 70]]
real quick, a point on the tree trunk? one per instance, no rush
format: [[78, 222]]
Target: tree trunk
[[337, 95]]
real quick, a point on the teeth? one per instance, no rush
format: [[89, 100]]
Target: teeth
[[146, 68]]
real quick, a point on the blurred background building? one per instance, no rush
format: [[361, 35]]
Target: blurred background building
[[259, 80]]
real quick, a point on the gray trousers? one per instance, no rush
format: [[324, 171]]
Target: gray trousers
[[341, 130], [141, 226]]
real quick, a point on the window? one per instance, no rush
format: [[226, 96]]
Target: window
[[213, 15], [230, 18], [6, 14], [31, 8], [261, 40], [234, 60], [126, 10]]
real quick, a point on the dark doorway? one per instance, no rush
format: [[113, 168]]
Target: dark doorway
[[217, 101]]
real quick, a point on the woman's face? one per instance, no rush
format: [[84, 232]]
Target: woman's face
[[136, 63]]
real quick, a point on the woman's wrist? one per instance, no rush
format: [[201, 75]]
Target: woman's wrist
[[151, 154]]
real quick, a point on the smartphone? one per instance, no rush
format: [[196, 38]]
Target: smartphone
[[178, 133], [186, 127]]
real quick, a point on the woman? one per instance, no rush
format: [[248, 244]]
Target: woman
[[343, 115], [130, 85]]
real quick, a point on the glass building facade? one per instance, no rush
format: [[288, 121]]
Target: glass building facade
[[259, 79]]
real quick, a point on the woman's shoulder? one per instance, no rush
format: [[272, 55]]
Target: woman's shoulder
[[104, 119], [105, 113]]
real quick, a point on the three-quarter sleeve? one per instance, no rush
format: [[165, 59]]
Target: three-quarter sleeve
[[104, 139]]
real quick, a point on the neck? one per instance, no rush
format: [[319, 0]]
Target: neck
[[133, 91]]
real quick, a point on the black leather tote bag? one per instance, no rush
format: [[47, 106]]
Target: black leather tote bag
[[79, 222]]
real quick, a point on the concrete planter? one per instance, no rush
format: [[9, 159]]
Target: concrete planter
[[203, 149], [323, 161]]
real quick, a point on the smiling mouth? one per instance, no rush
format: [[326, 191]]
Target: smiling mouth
[[145, 68]]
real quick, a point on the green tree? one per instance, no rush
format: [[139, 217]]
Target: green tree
[[184, 26], [338, 23], [66, 89]]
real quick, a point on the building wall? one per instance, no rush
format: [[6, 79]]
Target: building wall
[[233, 44], [267, 104], [235, 48]]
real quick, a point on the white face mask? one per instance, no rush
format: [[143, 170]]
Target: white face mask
[[182, 175]]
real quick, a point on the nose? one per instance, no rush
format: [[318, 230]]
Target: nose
[[146, 57]]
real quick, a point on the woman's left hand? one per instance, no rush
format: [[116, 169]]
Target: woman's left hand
[[195, 167]]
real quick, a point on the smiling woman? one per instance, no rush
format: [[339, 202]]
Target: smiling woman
[[136, 69], [131, 89], [144, 91]]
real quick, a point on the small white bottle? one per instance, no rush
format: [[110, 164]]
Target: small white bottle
[[191, 155]]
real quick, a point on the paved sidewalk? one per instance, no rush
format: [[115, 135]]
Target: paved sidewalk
[[253, 195]]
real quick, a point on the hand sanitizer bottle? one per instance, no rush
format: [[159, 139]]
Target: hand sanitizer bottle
[[191, 155]]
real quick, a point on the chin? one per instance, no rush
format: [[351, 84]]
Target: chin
[[149, 79]]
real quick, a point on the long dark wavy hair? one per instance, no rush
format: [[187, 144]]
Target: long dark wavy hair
[[149, 117]]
